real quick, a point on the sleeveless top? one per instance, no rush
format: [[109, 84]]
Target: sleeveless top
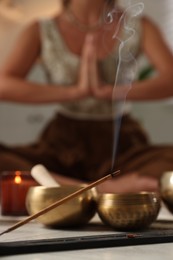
[[61, 67]]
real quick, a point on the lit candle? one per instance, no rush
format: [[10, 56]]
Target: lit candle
[[14, 188]]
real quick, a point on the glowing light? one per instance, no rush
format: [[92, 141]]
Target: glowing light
[[171, 180], [18, 178]]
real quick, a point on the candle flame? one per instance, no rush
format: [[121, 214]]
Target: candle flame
[[17, 178]]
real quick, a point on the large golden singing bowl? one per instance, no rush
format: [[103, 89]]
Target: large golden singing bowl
[[75, 212], [128, 211], [166, 189]]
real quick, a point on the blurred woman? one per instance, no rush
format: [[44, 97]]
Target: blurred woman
[[79, 50]]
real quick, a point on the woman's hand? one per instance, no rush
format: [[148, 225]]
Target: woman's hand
[[99, 89], [129, 182], [83, 86], [89, 81]]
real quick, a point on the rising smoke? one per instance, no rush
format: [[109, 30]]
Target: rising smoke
[[126, 62]]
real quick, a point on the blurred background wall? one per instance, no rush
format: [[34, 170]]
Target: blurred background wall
[[16, 14], [156, 117]]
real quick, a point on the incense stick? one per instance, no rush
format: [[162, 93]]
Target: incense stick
[[60, 202]]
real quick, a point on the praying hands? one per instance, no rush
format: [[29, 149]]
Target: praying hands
[[90, 83]]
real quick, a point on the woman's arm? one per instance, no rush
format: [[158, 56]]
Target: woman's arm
[[161, 57], [158, 87], [13, 85]]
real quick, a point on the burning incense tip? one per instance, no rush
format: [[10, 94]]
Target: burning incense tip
[[113, 174]]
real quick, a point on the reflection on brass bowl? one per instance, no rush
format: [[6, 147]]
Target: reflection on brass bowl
[[166, 189], [129, 211], [75, 212]]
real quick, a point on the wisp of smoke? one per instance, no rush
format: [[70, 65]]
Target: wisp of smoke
[[126, 64]]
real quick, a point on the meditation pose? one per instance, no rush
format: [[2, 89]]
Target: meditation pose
[[92, 132]]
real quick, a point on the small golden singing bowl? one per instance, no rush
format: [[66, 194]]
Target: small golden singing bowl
[[166, 189], [128, 211], [74, 212]]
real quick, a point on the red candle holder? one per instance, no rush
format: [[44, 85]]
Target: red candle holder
[[14, 188]]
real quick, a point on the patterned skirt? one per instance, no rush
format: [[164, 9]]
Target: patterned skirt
[[88, 149]]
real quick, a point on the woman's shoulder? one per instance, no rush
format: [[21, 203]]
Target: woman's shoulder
[[30, 33], [148, 23], [31, 28]]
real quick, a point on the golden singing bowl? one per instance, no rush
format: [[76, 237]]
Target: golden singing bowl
[[128, 211], [166, 189], [74, 212]]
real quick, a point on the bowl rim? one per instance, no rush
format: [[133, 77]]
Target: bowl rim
[[130, 198], [129, 194]]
